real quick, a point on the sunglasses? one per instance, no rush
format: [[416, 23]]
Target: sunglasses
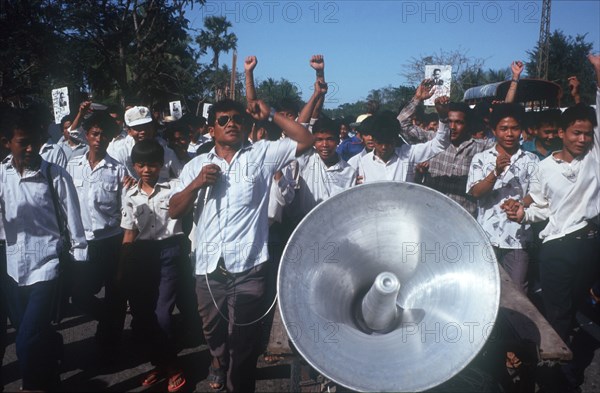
[[225, 119]]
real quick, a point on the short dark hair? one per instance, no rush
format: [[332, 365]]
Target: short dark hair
[[173, 127], [225, 105], [326, 126], [148, 150], [577, 112], [26, 120], [273, 131], [102, 120], [437, 69], [287, 105], [191, 120], [385, 127], [65, 119], [550, 117], [117, 110], [366, 126], [504, 110]]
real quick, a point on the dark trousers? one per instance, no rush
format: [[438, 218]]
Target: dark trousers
[[3, 310], [38, 345], [568, 269], [153, 278], [87, 279], [240, 300]]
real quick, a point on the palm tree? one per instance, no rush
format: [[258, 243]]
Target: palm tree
[[215, 36]]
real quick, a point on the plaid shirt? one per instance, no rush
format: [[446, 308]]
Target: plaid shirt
[[449, 170], [411, 133]]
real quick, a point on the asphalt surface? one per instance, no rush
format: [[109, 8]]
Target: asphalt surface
[[84, 372]]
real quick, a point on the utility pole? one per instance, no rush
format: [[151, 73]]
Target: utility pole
[[232, 82], [544, 41]]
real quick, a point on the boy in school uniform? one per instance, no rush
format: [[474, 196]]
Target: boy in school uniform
[[33, 244], [98, 180], [154, 254]]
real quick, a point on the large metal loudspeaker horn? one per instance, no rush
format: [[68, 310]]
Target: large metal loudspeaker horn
[[389, 287]]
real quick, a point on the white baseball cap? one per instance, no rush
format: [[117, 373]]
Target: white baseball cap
[[137, 115]]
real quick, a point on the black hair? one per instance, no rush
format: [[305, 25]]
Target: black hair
[[148, 150], [366, 126], [272, 129], [550, 117], [102, 120], [26, 120], [288, 105], [577, 112], [225, 105], [437, 69], [116, 109], [65, 119], [385, 127], [504, 110], [326, 126], [173, 127], [193, 121]]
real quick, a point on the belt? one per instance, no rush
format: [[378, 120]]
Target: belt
[[590, 231]]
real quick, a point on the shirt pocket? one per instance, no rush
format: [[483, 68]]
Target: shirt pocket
[[107, 199]]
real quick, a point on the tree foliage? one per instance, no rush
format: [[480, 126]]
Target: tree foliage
[[121, 50], [273, 92], [567, 57]]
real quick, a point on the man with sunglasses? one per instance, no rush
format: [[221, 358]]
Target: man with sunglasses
[[228, 189]]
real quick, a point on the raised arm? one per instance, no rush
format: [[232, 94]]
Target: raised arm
[[427, 150], [249, 65], [517, 68], [83, 109], [595, 60], [574, 89], [312, 109], [295, 131], [411, 133], [309, 109]]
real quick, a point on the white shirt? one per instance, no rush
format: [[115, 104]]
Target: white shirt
[[121, 151], [100, 192], [400, 167], [73, 151], [513, 183], [353, 161], [318, 182], [193, 147], [51, 152], [149, 214], [568, 194], [30, 225], [234, 223]]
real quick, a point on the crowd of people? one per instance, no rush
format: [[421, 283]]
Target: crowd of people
[[193, 214]]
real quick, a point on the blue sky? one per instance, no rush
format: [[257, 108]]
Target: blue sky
[[366, 43]]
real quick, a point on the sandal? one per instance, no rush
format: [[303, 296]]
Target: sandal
[[176, 382], [152, 377], [216, 378], [270, 358]]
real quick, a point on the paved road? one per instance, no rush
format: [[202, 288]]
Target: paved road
[[82, 373]]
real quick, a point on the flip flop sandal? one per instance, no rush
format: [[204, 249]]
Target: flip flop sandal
[[152, 377], [216, 376], [176, 382]]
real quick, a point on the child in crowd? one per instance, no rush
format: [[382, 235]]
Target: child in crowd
[[154, 252]]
